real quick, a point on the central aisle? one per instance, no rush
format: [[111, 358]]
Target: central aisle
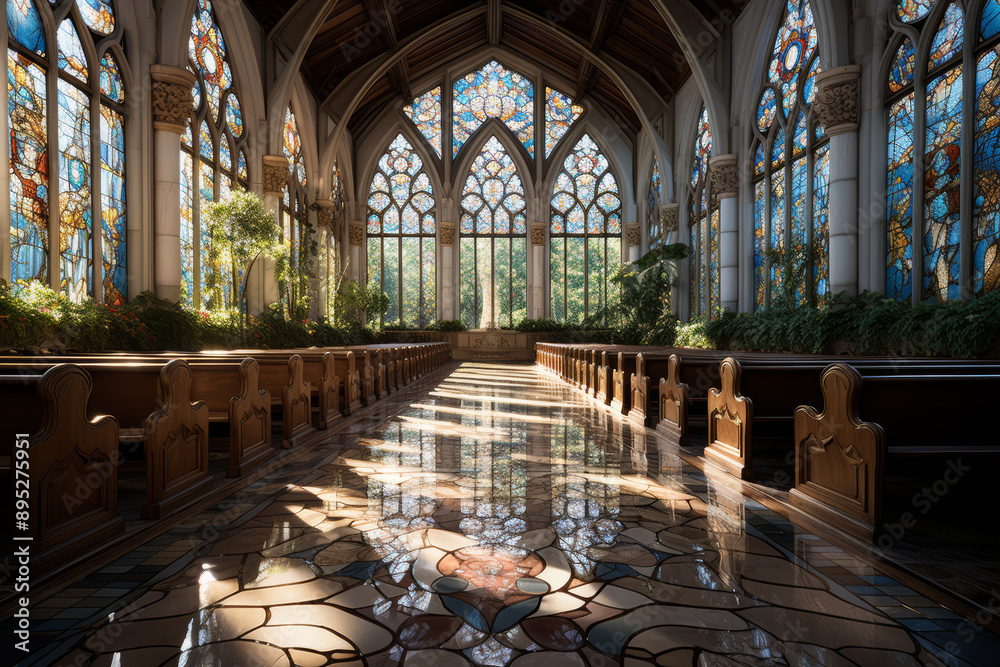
[[502, 518]]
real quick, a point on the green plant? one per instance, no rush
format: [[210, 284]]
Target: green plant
[[447, 326], [541, 324], [353, 300]]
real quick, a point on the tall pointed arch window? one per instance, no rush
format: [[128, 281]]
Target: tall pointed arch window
[[704, 227], [493, 92], [213, 162], [791, 172], [653, 197], [328, 253], [585, 234], [296, 232], [931, 122], [401, 235], [57, 205], [493, 247]]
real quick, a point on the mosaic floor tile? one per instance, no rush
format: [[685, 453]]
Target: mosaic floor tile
[[498, 518]]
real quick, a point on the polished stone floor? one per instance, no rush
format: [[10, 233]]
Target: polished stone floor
[[494, 516]]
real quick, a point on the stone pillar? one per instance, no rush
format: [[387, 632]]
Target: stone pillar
[[669, 217], [837, 105], [633, 239], [172, 107], [447, 271], [356, 231], [725, 185], [275, 180], [324, 226], [537, 270]]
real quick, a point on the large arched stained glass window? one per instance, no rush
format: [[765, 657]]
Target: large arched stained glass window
[[931, 122], [401, 236], [493, 247], [704, 227], [213, 162], [653, 198], [81, 60], [585, 234], [296, 232], [493, 92], [791, 172]]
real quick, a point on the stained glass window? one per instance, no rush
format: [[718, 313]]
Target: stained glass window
[[560, 114], [493, 247], [213, 162], [493, 92], [86, 114], [791, 173], [704, 231], [925, 103], [653, 198], [402, 249], [425, 112], [585, 234]]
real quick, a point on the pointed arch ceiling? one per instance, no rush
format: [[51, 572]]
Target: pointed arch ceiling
[[359, 33]]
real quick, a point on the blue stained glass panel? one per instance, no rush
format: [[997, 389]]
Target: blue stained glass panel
[[901, 73], [425, 112], [111, 78], [797, 217], [913, 10], [72, 58], [98, 15], [75, 215], [113, 214], [493, 92], [793, 46], [942, 179], [766, 110], [560, 114], [947, 42], [777, 231], [760, 243], [821, 223], [989, 23], [899, 193], [986, 168], [29, 170], [25, 25]]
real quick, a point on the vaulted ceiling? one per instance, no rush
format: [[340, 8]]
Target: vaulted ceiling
[[628, 34]]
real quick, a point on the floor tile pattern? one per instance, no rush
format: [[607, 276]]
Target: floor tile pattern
[[497, 518]]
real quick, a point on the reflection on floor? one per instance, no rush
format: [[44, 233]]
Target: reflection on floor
[[497, 518]]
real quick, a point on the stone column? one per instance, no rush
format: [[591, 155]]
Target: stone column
[[837, 105], [172, 107], [324, 225], [669, 216], [537, 270], [275, 180], [356, 231], [447, 271], [725, 186], [633, 239]]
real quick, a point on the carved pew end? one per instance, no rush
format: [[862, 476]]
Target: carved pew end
[[839, 459], [249, 423], [730, 417]]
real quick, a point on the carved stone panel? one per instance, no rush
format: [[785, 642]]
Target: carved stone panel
[[448, 234], [674, 404], [249, 422], [837, 104], [670, 214], [356, 232], [730, 417], [275, 174], [839, 459], [725, 179], [538, 233], [171, 97], [633, 234]]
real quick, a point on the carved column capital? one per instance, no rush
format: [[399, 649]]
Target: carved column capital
[[633, 234], [725, 179], [324, 213], [275, 174], [172, 101], [448, 234], [356, 231], [837, 103], [538, 233], [669, 216]]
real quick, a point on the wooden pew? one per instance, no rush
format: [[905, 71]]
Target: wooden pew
[[871, 424], [68, 463]]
